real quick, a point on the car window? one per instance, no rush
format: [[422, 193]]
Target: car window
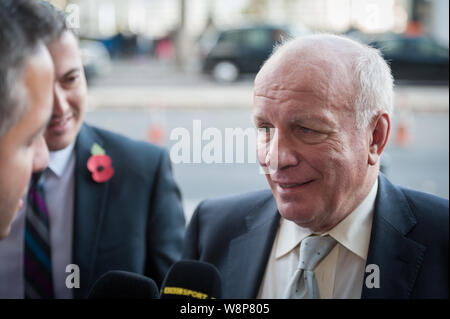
[[428, 49], [391, 48], [418, 48], [258, 39], [230, 37]]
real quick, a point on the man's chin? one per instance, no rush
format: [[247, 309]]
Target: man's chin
[[301, 216], [57, 144]]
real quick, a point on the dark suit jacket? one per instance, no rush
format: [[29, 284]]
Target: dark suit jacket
[[134, 221], [409, 242]]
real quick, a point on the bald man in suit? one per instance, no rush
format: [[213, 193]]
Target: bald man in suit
[[323, 106]]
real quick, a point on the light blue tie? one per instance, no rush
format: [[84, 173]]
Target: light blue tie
[[303, 284]]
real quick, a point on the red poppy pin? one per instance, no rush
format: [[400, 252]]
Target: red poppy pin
[[99, 164]]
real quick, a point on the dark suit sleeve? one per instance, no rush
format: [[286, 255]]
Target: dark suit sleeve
[[190, 247], [166, 223]]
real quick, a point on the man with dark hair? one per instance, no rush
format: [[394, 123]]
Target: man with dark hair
[[26, 81], [112, 203]]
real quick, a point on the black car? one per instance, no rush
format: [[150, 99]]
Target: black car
[[243, 50], [415, 59]]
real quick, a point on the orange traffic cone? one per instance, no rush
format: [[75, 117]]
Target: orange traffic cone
[[403, 133], [156, 134]]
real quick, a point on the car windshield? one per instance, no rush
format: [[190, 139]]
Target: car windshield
[[257, 38], [412, 47], [426, 47], [231, 37]]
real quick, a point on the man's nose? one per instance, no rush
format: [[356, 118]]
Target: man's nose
[[41, 155], [280, 154], [60, 104]]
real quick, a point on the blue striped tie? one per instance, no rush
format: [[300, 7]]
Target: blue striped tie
[[37, 258]]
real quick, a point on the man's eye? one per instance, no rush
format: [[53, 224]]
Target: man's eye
[[265, 133], [71, 78], [306, 130], [310, 136], [266, 130]]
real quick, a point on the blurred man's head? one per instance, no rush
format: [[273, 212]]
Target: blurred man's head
[[329, 100], [70, 89], [26, 95]]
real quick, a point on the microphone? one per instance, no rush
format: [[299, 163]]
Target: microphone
[[188, 279], [119, 284]]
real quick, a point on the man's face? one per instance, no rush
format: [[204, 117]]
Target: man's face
[[22, 148], [69, 93], [319, 159]]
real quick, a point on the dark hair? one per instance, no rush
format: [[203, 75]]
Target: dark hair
[[24, 26], [54, 23]]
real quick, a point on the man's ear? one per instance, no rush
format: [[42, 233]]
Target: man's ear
[[380, 129]]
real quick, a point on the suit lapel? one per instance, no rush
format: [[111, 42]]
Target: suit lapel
[[397, 257], [248, 253], [90, 199]]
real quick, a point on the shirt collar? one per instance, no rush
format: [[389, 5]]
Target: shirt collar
[[353, 232], [289, 236], [59, 160]]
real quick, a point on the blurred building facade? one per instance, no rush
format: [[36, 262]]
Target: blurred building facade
[[159, 18], [437, 20]]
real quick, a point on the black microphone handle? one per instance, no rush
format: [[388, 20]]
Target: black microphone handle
[[119, 284]]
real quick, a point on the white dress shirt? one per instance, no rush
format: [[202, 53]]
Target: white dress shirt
[[341, 273], [59, 186]]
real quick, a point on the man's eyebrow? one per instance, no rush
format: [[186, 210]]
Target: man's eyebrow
[[73, 70], [312, 118]]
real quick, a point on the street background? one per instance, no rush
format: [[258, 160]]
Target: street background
[[157, 103], [144, 62]]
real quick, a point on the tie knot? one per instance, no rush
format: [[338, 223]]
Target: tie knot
[[37, 179], [313, 249]]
